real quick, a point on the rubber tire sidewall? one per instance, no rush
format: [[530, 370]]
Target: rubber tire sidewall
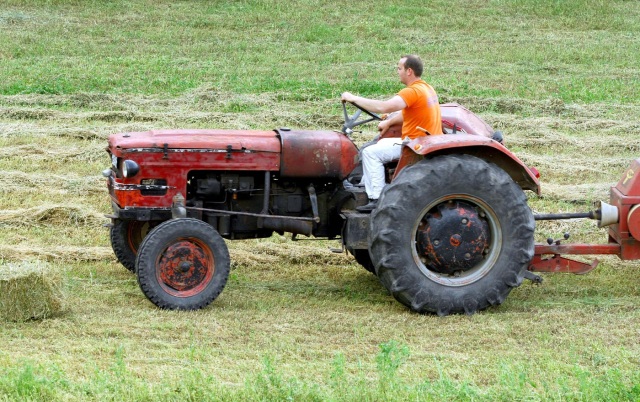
[[362, 257], [158, 240], [391, 238], [119, 237]]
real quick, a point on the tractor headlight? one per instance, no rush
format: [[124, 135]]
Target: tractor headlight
[[130, 168]]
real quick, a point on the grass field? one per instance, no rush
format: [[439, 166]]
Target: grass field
[[297, 322]]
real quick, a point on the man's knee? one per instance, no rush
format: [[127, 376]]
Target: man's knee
[[374, 151], [369, 153]]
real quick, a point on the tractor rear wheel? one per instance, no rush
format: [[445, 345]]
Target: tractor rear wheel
[[126, 237], [182, 264], [451, 234]]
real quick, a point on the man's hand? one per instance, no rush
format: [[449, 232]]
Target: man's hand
[[383, 126], [392, 119], [348, 97]]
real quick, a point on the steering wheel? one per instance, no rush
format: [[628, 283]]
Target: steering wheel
[[352, 121]]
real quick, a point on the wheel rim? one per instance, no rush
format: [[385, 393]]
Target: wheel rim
[[457, 240], [185, 267], [136, 231]]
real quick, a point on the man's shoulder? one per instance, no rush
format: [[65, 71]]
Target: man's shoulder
[[417, 86], [407, 94], [415, 89]]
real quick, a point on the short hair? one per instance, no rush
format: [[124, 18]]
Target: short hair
[[415, 63]]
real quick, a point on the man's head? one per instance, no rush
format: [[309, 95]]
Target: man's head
[[410, 68]]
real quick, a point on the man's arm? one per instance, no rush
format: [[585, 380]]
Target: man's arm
[[376, 106]]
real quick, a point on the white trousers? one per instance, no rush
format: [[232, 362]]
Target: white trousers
[[373, 159]]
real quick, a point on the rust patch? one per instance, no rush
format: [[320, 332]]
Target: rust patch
[[186, 267]]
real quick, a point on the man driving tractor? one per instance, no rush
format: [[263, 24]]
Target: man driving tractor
[[420, 116]]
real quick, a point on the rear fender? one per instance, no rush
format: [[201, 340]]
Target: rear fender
[[476, 145]]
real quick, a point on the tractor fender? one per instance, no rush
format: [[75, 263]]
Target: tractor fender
[[470, 144]]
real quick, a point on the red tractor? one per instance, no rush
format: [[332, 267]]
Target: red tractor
[[452, 232]]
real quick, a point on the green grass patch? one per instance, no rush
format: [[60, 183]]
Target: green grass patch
[[577, 50], [268, 383]]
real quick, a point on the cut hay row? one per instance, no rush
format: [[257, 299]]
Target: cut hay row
[[258, 253], [56, 253], [53, 154], [567, 167], [15, 180], [55, 215], [30, 290], [72, 129], [208, 104], [141, 121], [586, 132], [206, 96], [202, 98], [580, 194], [249, 253]]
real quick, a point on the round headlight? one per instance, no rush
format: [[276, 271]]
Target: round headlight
[[130, 168]]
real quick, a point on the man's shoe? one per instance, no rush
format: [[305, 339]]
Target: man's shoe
[[347, 184], [369, 207]]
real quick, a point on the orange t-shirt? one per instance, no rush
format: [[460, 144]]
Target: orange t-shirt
[[422, 110]]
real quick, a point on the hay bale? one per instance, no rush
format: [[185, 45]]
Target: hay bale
[[29, 290]]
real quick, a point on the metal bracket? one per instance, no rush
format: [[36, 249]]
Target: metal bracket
[[314, 203], [178, 209], [557, 263]]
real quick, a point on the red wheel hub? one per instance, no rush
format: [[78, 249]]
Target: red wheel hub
[[186, 267], [452, 238]]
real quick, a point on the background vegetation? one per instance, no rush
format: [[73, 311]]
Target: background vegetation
[[560, 78]]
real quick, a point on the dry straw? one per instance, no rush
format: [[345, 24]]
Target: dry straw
[[29, 290]]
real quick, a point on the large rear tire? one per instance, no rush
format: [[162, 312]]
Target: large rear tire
[[451, 234], [126, 237], [183, 264]]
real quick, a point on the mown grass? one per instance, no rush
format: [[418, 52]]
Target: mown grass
[[297, 321]]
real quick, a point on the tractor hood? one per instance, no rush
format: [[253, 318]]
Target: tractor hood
[[295, 153], [262, 141]]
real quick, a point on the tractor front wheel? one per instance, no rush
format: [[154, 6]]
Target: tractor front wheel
[[362, 258], [126, 237], [182, 264], [451, 234]]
